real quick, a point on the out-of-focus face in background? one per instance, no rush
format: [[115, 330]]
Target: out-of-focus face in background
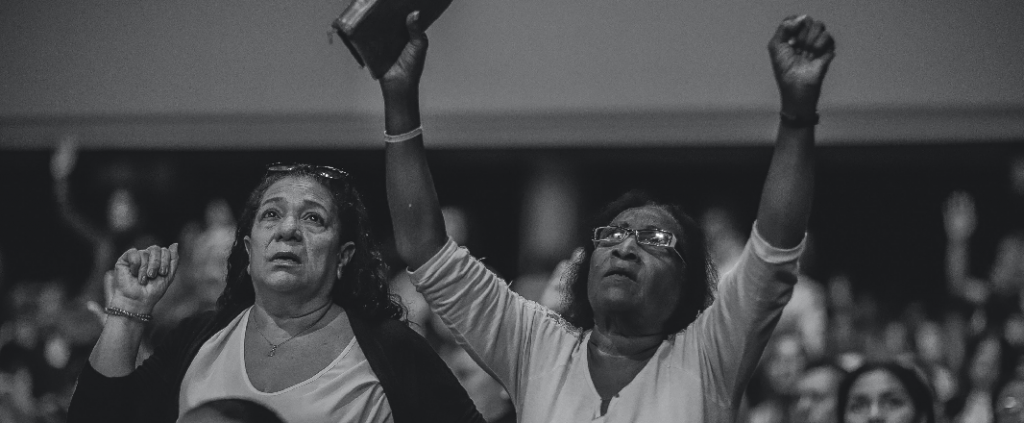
[[785, 363], [879, 397], [817, 391]]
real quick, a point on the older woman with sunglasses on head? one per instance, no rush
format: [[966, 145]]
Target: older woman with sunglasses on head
[[643, 344], [306, 324]]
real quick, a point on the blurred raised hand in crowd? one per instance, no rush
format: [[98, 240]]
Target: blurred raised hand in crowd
[[121, 230]]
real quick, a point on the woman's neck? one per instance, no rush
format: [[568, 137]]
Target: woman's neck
[[616, 340], [294, 317]]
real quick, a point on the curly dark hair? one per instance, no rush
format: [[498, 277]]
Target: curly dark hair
[[363, 288], [919, 391], [699, 276]]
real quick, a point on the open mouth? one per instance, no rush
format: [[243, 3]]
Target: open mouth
[[286, 257], [620, 272]]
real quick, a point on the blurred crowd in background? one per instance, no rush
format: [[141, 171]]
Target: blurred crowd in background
[[968, 344]]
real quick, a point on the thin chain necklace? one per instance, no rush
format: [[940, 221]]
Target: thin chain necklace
[[274, 347]]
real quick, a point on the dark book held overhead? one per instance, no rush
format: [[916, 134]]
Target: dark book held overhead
[[374, 30]]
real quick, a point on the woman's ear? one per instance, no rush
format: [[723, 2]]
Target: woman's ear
[[348, 249]]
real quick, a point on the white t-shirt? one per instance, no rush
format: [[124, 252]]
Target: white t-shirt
[[696, 375], [344, 391]]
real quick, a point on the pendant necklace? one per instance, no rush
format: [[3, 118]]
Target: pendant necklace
[[274, 347]]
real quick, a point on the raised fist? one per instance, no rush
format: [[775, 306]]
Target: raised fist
[[140, 278], [801, 51]]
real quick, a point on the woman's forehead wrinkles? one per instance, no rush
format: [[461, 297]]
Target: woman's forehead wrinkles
[[646, 217], [310, 192], [307, 202]]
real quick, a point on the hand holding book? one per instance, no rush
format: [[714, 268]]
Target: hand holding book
[[404, 75], [376, 31], [400, 82]]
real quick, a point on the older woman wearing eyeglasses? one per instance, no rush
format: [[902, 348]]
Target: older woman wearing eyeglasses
[[645, 340], [306, 325]]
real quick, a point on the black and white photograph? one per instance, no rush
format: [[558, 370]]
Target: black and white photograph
[[390, 211]]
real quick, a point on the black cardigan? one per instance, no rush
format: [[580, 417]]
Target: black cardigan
[[419, 386]]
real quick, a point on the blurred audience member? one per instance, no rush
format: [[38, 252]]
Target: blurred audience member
[[817, 391], [885, 392], [205, 249], [805, 311], [930, 343], [17, 402], [772, 390], [1008, 269], [988, 358], [960, 223], [1009, 404]]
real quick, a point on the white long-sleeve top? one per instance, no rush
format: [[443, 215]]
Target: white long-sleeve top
[[696, 375]]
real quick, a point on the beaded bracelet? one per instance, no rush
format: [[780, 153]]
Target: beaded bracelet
[[114, 311], [403, 137]]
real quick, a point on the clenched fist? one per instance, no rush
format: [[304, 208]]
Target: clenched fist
[[801, 51], [140, 278]]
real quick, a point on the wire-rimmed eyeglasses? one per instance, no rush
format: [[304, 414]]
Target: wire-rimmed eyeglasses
[[607, 236]]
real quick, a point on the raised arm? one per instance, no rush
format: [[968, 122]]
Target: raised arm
[[415, 211], [138, 281], [960, 221], [736, 328], [498, 328], [61, 165], [801, 51]]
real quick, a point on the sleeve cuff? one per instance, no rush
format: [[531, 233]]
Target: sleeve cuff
[[775, 255]]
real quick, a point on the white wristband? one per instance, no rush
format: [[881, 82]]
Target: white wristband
[[403, 137]]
